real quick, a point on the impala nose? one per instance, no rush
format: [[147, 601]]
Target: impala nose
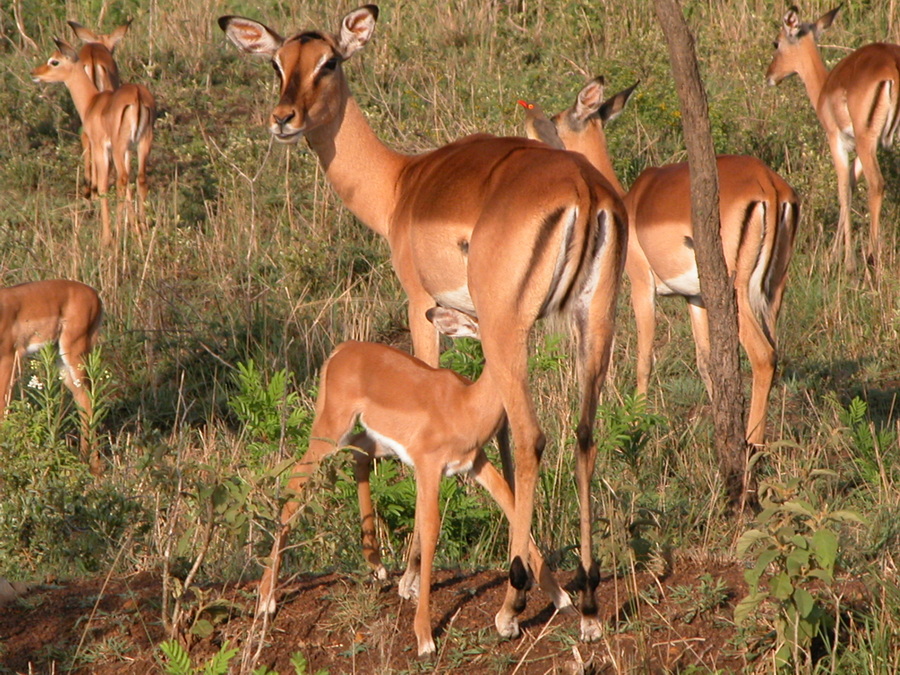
[[281, 121]]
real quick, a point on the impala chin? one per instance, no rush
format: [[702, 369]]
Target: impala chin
[[287, 136]]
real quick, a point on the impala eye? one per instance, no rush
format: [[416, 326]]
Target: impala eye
[[54, 62], [775, 45], [330, 64]]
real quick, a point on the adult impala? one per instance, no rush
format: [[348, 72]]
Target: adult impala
[[114, 122], [503, 230], [60, 312], [432, 419], [96, 57], [759, 213], [858, 105]]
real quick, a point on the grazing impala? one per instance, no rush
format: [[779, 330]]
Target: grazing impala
[[503, 230], [114, 122], [858, 105], [759, 213], [65, 313], [433, 419], [96, 58]]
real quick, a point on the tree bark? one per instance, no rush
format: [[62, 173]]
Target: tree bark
[[716, 283]]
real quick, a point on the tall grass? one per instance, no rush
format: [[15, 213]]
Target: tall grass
[[250, 255]]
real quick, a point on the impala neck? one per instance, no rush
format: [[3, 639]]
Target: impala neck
[[599, 157], [362, 169], [813, 72], [82, 89]]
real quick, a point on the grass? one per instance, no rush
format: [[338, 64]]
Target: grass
[[250, 256]]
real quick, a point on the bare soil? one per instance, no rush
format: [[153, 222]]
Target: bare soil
[[345, 625]]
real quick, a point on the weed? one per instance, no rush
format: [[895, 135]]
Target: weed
[[797, 542]]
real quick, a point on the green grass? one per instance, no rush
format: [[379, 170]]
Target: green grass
[[251, 256]]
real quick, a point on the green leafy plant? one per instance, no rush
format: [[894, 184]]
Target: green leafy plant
[[707, 595], [178, 660], [795, 549], [870, 444], [270, 413], [626, 429]]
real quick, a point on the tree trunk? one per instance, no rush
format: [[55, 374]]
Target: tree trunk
[[717, 285]]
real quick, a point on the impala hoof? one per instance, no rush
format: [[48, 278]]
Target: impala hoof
[[380, 573], [563, 603], [408, 588], [266, 606], [427, 649], [507, 624], [591, 630]]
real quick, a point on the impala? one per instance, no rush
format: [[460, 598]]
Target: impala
[[503, 230], [857, 103], [96, 58], [759, 213], [432, 419], [60, 312], [114, 123]]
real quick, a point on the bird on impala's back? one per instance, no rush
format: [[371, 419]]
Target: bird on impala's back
[[538, 127]]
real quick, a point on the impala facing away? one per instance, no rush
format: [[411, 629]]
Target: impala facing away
[[759, 213], [96, 58], [858, 105], [503, 230], [65, 313], [113, 121], [433, 419]]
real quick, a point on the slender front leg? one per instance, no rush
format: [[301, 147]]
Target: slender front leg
[[302, 472], [429, 518]]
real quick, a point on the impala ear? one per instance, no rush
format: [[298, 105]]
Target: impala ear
[[791, 21], [453, 323], [113, 38], [825, 21], [67, 50], [614, 105], [357, 29], [251, 36], [83, 33], [589, 99]]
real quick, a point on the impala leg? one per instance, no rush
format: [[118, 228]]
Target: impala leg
[[700, 329], [843, 237], [143, 152], [866, 149], [122, 159], [363, 452], [594, 316], [100, 172], [761, 353], [86, 154], [300, 475], [428, 517], [643, 302], [73, 345], [7, 367], [488, 477], [426, 347]]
